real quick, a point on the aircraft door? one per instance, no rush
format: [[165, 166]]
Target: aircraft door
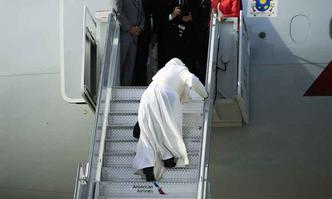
[[90, 69], [72, 15]]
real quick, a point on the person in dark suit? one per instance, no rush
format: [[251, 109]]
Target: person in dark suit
[[175, 34], [201, 18], [131, 19], [140, 78]]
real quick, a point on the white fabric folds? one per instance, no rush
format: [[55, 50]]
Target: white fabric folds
[[160, 117]]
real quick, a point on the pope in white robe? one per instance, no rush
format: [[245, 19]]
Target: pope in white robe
[[160, 118]]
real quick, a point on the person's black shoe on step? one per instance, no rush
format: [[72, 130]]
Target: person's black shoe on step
[[149, 174], [169, 163], [136, 131]]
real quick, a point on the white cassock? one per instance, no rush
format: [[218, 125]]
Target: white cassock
[[160, 117]]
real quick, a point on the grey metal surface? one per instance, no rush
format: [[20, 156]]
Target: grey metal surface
[[202, 185], [127, 196], [122, 120], [129, 146], [227, 59], [123, 174], [126, 133], [117, 160], [127, 93], [135, 93], [117, 175], [131, 106], [146, 189]]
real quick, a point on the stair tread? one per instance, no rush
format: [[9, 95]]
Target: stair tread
[[125, 160], [121, 106], [152, 196], [126, 133], [119, 174], [130, 146], [122, 120], [135, 93], [147, 189]]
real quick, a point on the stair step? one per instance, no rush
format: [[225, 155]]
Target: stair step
[[127, 93], [126, 133], [117, 175], [120, 174], [126, 160], [121, 120], [129, 196], [146, 190], [131, 106], [125, 147], [135, 93]]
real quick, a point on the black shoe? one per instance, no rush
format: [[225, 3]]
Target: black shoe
[[169, 163], [149, 174], [136, 131]]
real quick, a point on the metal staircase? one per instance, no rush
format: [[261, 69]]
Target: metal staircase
[[109, 173], [117, 175]]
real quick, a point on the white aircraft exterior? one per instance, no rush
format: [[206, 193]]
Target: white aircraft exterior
[[45, 130]]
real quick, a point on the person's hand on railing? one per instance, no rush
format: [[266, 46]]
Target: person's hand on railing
[[221, 16]]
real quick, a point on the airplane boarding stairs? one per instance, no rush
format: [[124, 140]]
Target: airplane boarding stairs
[[109, 173], [117, 175]]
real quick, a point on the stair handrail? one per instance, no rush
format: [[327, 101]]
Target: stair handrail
[[108, 74], [202, 189], [110, 63], [110, 83]]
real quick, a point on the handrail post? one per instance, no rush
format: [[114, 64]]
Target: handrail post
[[204, 155]]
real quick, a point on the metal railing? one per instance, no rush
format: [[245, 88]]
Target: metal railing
[[108, 74], [211, 84], [202, 190]]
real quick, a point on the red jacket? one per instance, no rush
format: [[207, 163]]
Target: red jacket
[[229, 8]]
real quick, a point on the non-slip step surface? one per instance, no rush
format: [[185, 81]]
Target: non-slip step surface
[[154, 196], [126, 160], [125, 147], [127, 93], [189, 119], [135, 93], [120, 174], [124, 106], [147, 189], [126, 133], [117, 174]]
